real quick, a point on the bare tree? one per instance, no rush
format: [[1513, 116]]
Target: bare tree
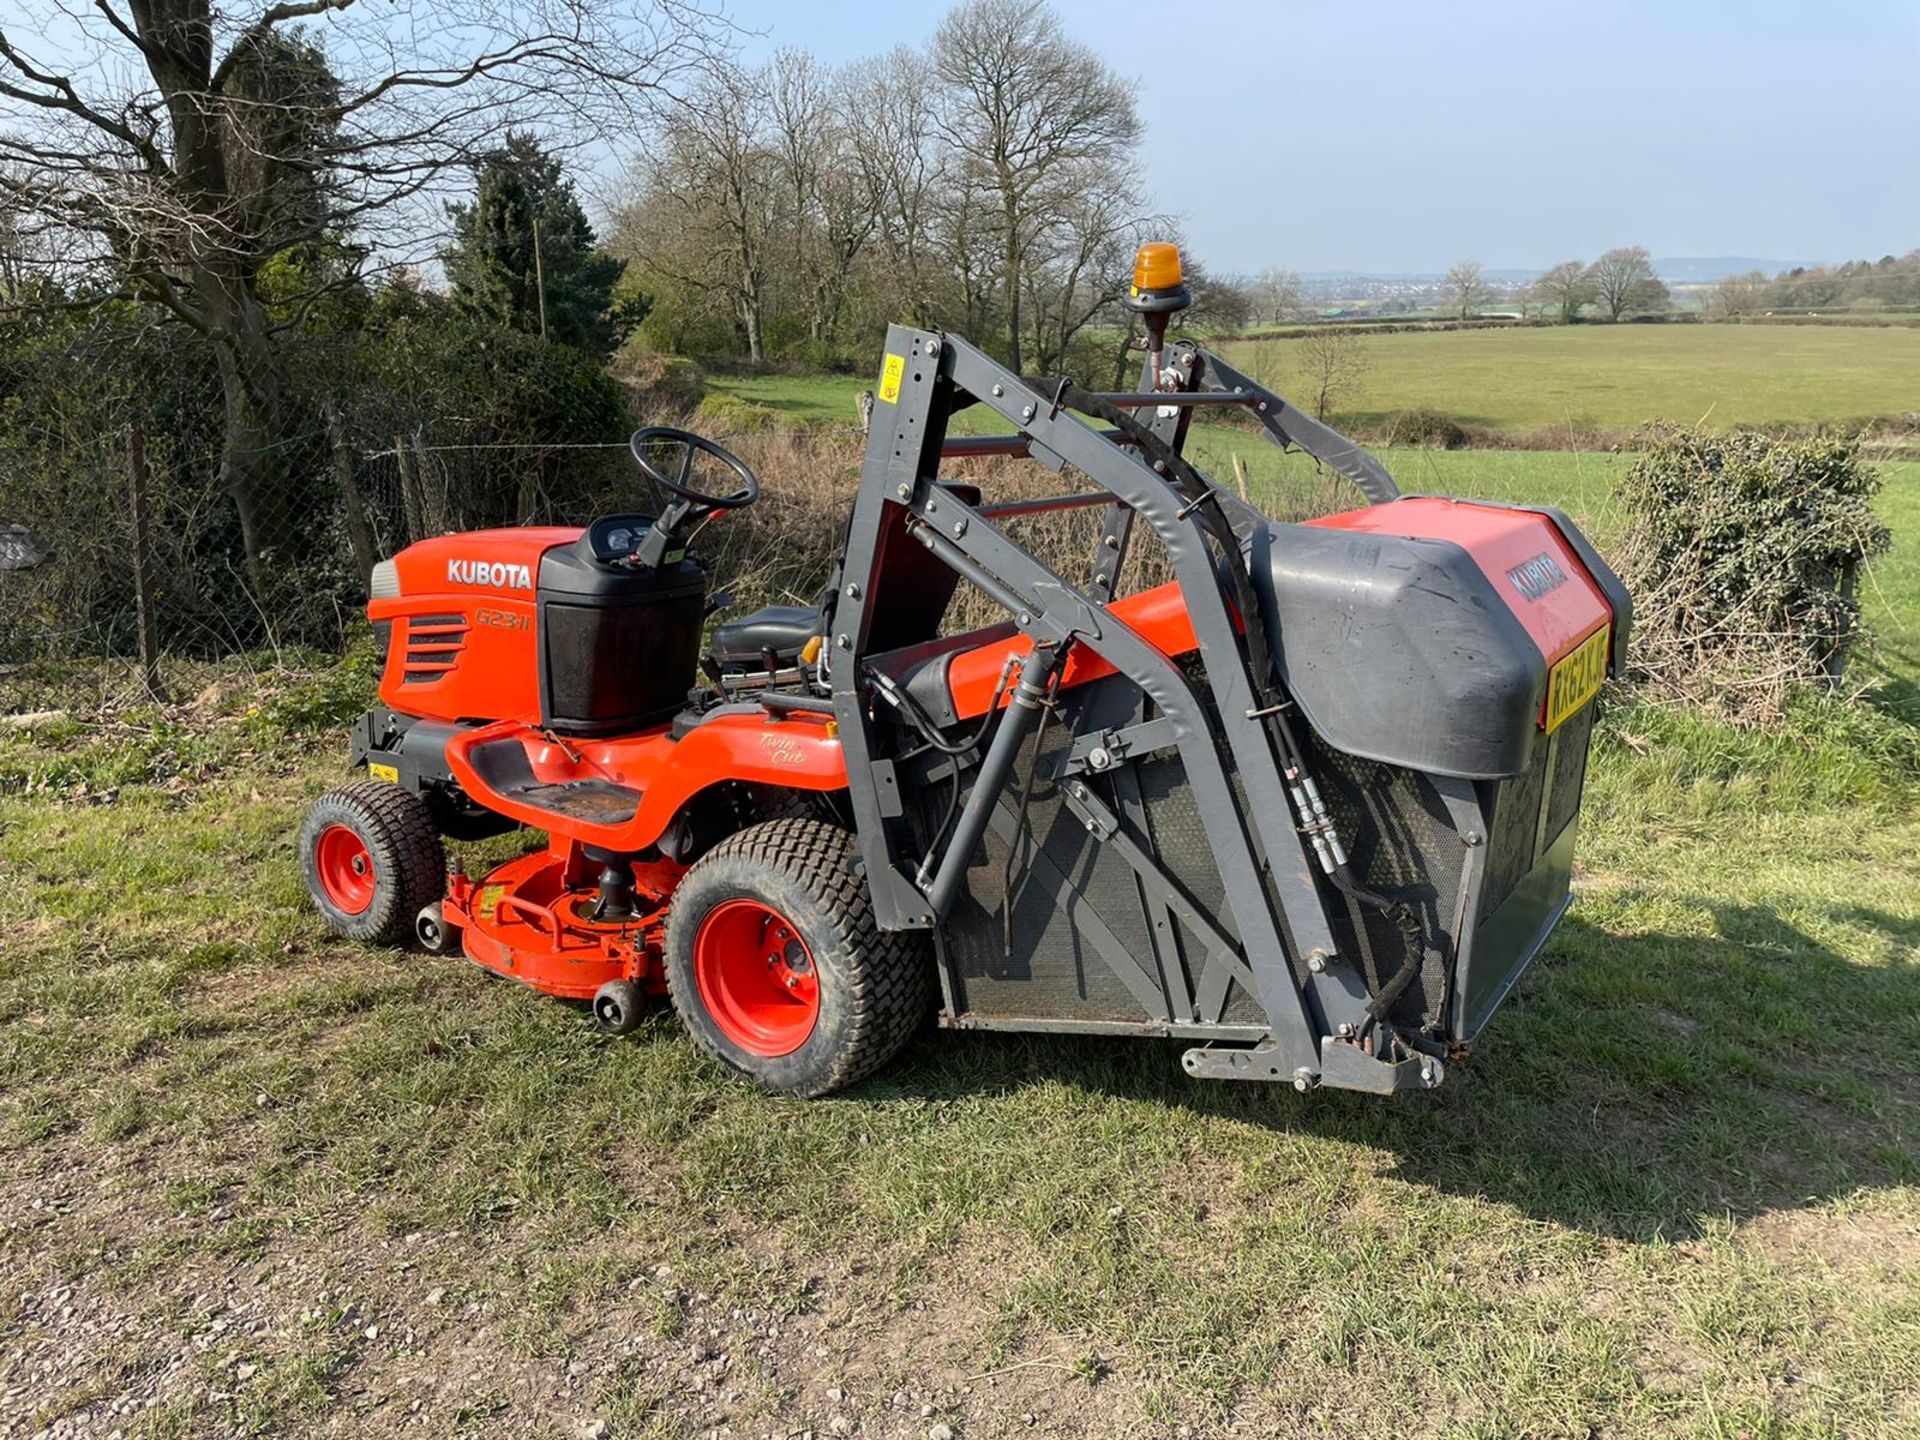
[[889, 123], [830, 222], [195, 143], [1623, 282], [1565, 287], [1076, 267], [1278, 296], [1467, 283], [24, 259], [710, 213], [1738, 295], [1036, 116], [1332, 360]]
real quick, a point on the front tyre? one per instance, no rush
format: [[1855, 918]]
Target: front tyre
[[372, 860], [778, 968]]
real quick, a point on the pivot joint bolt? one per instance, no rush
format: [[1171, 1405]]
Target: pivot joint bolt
[[1304, 1079], [1317, 960], [1099, 757]]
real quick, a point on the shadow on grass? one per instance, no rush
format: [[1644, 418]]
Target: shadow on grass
[[1896, 695], [1637, 1086]]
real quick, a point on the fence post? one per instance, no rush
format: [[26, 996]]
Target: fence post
[[1834, 664], [142, 565], [411, 501], [359, 532], [436, 507]]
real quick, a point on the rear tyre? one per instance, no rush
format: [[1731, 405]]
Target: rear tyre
[[778, 968], [372, 861]]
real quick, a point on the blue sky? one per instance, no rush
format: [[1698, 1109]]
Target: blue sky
[[1392, 136]]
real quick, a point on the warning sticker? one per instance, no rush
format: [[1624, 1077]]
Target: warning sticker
[[389, 773], [890, 374]]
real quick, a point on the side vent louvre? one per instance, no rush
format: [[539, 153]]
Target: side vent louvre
[[434, 643]]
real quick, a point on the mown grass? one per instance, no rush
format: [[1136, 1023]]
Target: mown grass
[[1610, 377], [1678, 1192]]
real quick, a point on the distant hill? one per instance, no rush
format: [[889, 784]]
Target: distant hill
[[1705, 270], [1678, 270]]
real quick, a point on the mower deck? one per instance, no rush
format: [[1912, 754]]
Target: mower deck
[[526, 921]]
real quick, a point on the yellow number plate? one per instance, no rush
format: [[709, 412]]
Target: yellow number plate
[[1577, 679]]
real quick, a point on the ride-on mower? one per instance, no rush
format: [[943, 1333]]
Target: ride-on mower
[[1310, 806]]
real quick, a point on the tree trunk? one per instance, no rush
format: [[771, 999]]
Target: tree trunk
[[436, 503], [750, 321], [1013, 294], [253, 460], [412, 503]]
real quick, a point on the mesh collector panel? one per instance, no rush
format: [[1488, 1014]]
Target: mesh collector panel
[[1400, 843], [1017, 951]]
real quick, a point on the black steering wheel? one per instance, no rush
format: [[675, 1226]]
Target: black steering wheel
[[692, 444]]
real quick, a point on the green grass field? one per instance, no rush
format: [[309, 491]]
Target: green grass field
[[1590, 376], [1620, 376]]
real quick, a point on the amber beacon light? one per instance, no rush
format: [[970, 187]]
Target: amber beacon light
[[1158, 285]]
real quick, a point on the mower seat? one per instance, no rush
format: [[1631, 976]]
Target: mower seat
[[781, 631]]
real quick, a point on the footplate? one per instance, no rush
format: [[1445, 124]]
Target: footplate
[[597, 802], [541, 782]]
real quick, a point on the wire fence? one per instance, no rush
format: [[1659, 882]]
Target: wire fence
[[149, 516], [138, 538]]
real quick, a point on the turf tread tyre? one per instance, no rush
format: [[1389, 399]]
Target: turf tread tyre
[[876, 985], [409, 862]]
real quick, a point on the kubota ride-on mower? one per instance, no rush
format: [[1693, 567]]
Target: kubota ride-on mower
[[1310, 806]]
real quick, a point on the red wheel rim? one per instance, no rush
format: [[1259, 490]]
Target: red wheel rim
[[757, 977], [345, 867]]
